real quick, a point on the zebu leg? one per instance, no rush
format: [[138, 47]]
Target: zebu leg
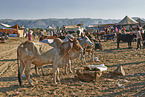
[[42, 71], [129, 45], [89, 54], [83, 59], [36, 70], [83, 56], [20, 71], [27, 72], [70, 66], [58, 75], [55, 65], [92, 51], [118, 41], [66, 68]]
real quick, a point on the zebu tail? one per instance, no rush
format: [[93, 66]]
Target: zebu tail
[[19, 73]]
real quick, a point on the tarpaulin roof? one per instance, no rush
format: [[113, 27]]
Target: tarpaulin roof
[[5, 25], [127, 20], [8, 26], [15, 26]]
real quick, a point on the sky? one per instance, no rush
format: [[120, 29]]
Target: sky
[[44, 9]]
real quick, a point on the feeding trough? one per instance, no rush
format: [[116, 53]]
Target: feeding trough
[[90, 72]]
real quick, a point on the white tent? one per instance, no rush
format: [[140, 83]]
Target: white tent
[[127, 20]]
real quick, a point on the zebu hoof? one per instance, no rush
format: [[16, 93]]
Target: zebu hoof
[[55, 83], [84, 62], [129, 47], [71, 71], [22, 85], [66, 72], [43, 74], [37, 74], [31, 85]]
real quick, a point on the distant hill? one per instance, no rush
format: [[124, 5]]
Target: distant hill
[[44, 23]]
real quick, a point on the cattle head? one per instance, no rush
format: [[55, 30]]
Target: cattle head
[[57, 43], [75, 45], [87, 41]]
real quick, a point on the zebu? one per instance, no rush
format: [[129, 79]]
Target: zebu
[[28, 53], [125, 38], [84, 41]]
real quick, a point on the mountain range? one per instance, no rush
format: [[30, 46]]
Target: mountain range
[[44, 23]]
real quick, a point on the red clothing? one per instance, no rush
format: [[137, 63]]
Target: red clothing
[[29, 36]]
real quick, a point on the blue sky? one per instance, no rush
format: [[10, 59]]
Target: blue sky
[[43, 9]]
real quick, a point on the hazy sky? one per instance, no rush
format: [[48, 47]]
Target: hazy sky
[[43, 9]]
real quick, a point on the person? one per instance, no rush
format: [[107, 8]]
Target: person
[[143, 36], [78, 32], [29, 36], [139, 37], [34, 34], [131, 31], [124, 30]]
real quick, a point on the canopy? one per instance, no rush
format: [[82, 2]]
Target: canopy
[[127, 20]]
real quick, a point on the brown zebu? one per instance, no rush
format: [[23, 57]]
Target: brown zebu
[[28, 53]]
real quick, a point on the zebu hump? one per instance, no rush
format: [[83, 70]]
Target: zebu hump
[[42, 47]]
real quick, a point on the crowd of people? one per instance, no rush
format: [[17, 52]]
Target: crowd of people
[[109, 34]]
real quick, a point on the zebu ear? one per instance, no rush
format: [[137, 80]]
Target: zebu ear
[[71, 40]]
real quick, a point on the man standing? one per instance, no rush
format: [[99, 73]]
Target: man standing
[[138, 37]]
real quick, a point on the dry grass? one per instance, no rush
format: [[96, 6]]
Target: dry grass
[[133, 84]]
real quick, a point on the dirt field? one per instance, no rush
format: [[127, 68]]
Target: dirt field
[[133, 84]]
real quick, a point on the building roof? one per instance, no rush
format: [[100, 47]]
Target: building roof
[[71, 26], [127, 20]]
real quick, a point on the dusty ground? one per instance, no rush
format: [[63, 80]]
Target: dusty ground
[[133, 84]]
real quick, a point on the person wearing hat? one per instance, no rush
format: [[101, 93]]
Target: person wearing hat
[[139, 37]]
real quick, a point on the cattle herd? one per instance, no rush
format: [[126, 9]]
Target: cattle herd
[[59, 53]]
